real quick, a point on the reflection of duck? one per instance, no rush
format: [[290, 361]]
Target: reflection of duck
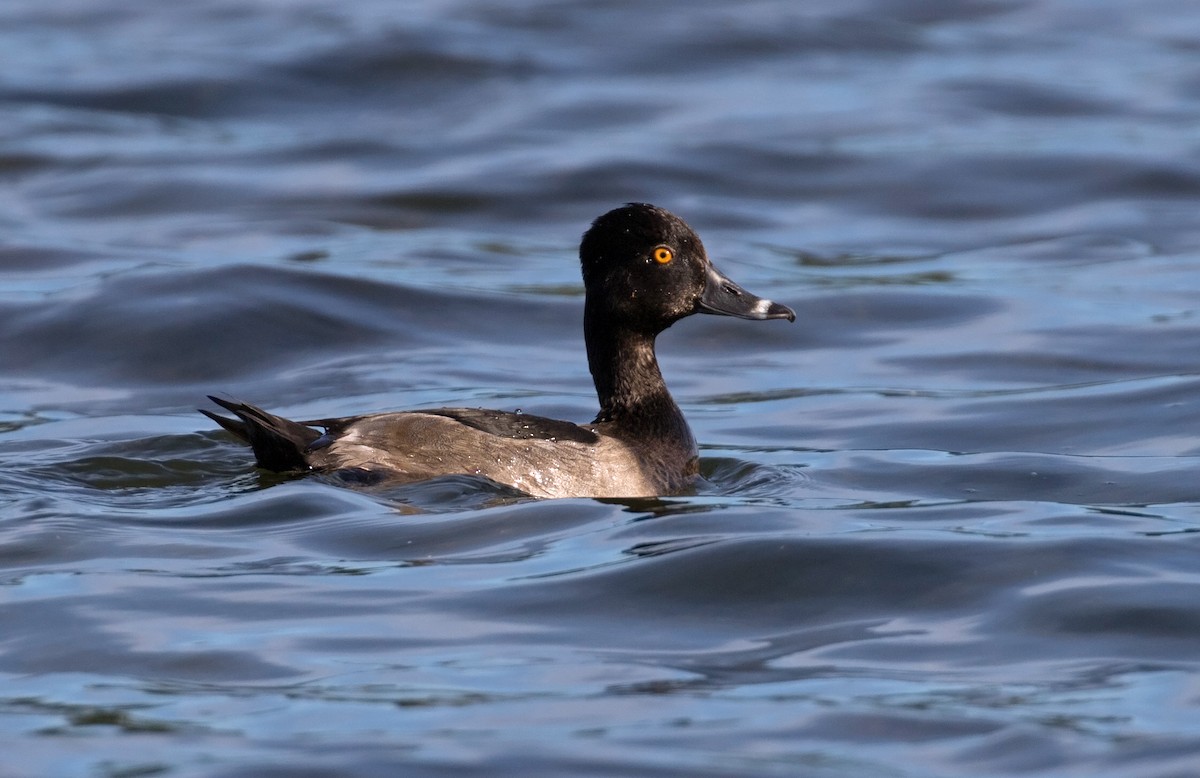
[[643, 270]]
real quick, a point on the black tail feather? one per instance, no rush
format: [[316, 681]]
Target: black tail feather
[[279, 444], [238, 428]]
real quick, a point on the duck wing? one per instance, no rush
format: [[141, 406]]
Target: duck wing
[[519, 426]]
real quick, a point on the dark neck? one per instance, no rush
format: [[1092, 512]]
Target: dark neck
[[628, 382]]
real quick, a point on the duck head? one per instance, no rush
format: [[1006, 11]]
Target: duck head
[[644, 268]]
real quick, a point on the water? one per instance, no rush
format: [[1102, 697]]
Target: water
[[950, 525]]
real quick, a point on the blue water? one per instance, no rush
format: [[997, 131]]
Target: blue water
[[951, 519]]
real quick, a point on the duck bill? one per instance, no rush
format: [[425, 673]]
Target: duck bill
[[725, 298]]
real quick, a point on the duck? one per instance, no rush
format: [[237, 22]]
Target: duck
[[643, 270]]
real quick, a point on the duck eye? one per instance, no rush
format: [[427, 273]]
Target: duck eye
[[663, 255]]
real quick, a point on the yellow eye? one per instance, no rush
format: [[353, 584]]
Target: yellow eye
[[663, 255]]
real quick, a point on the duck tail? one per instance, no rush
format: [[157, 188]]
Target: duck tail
[[279, 444]]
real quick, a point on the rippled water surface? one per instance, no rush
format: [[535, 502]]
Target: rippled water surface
[[951, 524]]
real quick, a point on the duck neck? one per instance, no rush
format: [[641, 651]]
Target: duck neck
[[629, 384]]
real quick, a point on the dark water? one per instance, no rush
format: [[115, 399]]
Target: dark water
[[952, 525]]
